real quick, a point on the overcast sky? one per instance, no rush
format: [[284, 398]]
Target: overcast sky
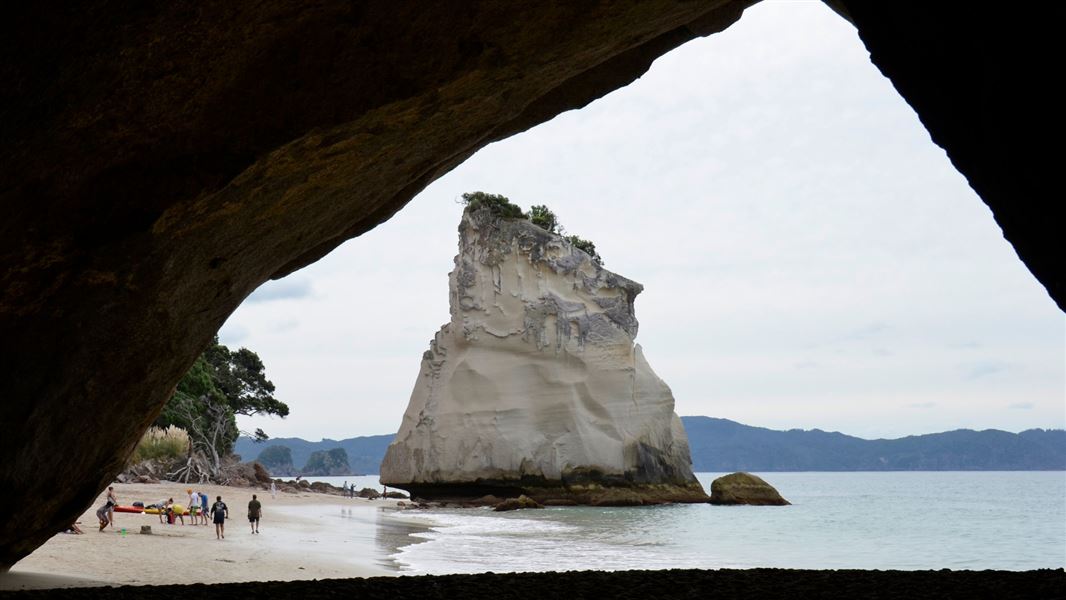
[[810, 258]]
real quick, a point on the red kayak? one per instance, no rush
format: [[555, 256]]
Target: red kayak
[[129, 509]]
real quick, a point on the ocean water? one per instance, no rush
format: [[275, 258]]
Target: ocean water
[[897, 520]]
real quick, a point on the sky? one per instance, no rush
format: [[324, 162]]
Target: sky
[[810, 258]]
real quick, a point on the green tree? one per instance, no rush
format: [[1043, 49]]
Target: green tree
[[240, 376], [585, 246], [500, 206], [543, 217], [220, 385]]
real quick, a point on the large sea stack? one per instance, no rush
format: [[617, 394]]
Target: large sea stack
[[535, 387]]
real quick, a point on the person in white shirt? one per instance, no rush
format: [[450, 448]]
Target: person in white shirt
[[194, 505]]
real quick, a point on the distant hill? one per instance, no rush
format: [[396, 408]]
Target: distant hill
[[364, 453], [721, 445]]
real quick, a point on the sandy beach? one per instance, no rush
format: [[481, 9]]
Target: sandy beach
[[302, 536]]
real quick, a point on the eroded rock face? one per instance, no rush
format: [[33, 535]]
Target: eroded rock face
[[535, 386]]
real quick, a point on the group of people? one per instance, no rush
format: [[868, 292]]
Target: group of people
[[218, 512], [349, 490], [197, 508]]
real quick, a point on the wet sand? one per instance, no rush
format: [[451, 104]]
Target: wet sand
[[302, 536]]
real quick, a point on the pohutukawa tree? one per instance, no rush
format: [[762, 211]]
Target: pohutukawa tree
[[221, 384]]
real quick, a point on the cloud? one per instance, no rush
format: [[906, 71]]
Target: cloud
[[231, 334], [286, 325], [283, 289], [806, 364], [922, 405], [867, 332], [985, 369], [1022, 405]]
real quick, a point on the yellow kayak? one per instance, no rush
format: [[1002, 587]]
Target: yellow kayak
[[179, 509]]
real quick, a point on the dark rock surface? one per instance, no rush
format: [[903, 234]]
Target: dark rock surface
[[517, 504], [745, 488], [369, 493], [765, 584], [160, 161], [980, 82]]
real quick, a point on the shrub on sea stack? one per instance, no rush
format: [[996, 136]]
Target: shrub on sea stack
[[745, 488]]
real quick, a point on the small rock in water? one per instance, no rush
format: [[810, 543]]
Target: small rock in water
[[745, 488], [518, 503]]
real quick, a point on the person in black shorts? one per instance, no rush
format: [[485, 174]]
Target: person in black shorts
[[219, 513], [255, 510]]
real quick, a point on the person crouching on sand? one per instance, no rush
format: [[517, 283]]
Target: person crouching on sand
[[219, 513], [255, 510], [101, 514]]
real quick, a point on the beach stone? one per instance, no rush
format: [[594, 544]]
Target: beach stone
[[518, 503], [146, 529], [370, 493], [745, 488]]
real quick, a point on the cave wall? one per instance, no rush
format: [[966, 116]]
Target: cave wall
[[983, 81], [162, 160]]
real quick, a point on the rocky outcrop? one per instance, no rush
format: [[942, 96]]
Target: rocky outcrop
[[325, 463], [517, 504], [278, 460], [159, 164], [535, 386], [745, 488]]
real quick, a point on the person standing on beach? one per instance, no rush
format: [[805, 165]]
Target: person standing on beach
[[273, 491], [219, 513], [203, 508], [255, 510], [112, 502], [194, 506]]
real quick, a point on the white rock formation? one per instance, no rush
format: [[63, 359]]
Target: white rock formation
[[536, 386]]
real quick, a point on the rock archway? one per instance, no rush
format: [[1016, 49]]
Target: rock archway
[[159, 163]]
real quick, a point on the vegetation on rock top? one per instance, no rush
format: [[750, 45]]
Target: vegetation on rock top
[[539, 215]]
